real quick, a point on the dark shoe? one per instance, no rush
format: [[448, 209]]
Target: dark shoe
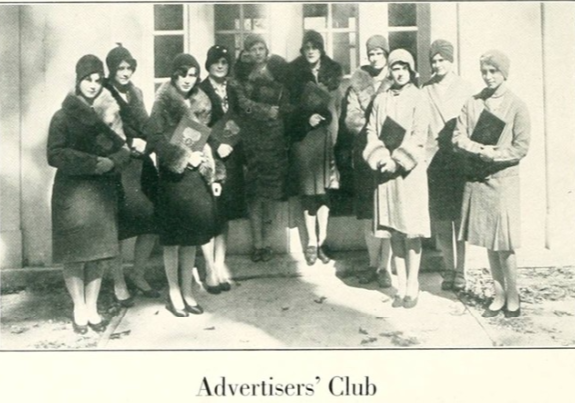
[[397, 302], [213, 289], [310, 254], [194, 310], [323, 254], [459, 282], [383, 278], [410, 302], [225, 286], [448, 278], [151, 293], [488, 313], [267, 254], [256, 255], [367, 276], [80, 329], [99, 327], [125, 303], [512, 314], [180, 313]]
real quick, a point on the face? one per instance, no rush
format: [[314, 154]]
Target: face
[[377, 58], [400, 74], [124, 73], [440, 66], [220, 68], [91, 85], [311, 53], [258, 53], [185, 83], [492, 77]]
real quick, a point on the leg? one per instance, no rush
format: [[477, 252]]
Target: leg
[[310, 228], [94, 272], [460, 259], [120, 288], [74, 280], [383, 273], [498, 280], [212, 279], [171, 268], [220, 246], [413, 260], [142, 251], [373, 244], [444, 233], [323, 220], [399, 259], [187, 257], [508, 264], [256, 221]]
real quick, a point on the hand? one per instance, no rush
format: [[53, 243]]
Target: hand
[[224, 150], [196, 158], [486, 154], [388, 166], [274, 112], [104, 165], [315, 119], [216, 189], [139, 145]]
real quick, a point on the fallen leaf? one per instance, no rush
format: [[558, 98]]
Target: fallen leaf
[[362, 331], [210, 328], [285, 308], [320, 300], [369, 340], [157, 312], [119, 335]]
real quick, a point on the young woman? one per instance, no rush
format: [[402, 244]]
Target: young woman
[[185, 202], [231, 203], [136, 212], [396, 136], [263, 102], [366, 83], [447, 93], [86, 145], [313, 80], [490, 213]]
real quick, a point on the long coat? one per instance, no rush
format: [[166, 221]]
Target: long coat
[[85, 204], [445, 168], [364, 88], [232, 201], [490, 212], [312, 150], [139, 179], [185, 205], [401, 200], [263, 137]]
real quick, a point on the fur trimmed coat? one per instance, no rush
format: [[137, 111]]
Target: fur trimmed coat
[[362, 91], [84, 203], [312, 150], [401, 201], [185, 204]]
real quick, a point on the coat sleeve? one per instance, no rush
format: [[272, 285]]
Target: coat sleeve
[[135, 127], [62, 156], [256, 110], [375, 151], [355, 117], [517, 149], [412, 150], [460, 139]]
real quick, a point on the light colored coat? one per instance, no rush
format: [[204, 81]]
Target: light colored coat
[[490, 212], [401, 202]]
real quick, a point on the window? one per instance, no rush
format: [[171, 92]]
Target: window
[[233, 22], [169, 38], [338, 24]]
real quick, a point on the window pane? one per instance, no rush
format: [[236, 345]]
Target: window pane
[[404, 40], [344, 15], [165, 49], [168, 17], [344, 51], [254, 11], [229, 41], [315, 16], [402, 15], [227, 16]]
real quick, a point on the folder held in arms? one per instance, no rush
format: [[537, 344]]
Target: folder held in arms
[[392, 134], [488, 129], [315, 97], [227, 130], [191, 134], [108, 141]]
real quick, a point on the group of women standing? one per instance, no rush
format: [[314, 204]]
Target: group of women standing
[[417, 166]]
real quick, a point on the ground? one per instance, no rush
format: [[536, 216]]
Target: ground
[[312, 308]]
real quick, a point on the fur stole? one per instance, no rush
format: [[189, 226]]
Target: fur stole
[[330, 72]]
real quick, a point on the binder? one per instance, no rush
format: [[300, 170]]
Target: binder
[[190, 133], [227, 130], [488, 129], [392, 134]]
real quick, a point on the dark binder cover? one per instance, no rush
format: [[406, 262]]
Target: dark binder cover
[[108, 141], [392, 134], [191, 134], [488, 129], [227, 130]]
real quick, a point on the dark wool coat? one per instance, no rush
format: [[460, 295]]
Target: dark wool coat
[[263, 137], [358, 105], [140, 178], [231, 203], [490, 215], [85, 204], [312, 150], [185, 205], [445, 169]]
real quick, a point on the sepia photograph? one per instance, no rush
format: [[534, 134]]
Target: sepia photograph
[[287, 176]]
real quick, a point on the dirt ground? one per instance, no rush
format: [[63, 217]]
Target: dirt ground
[[38, 317]]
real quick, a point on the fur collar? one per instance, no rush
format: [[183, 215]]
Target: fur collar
[[361, 79], [330, 72], [174, 105]]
